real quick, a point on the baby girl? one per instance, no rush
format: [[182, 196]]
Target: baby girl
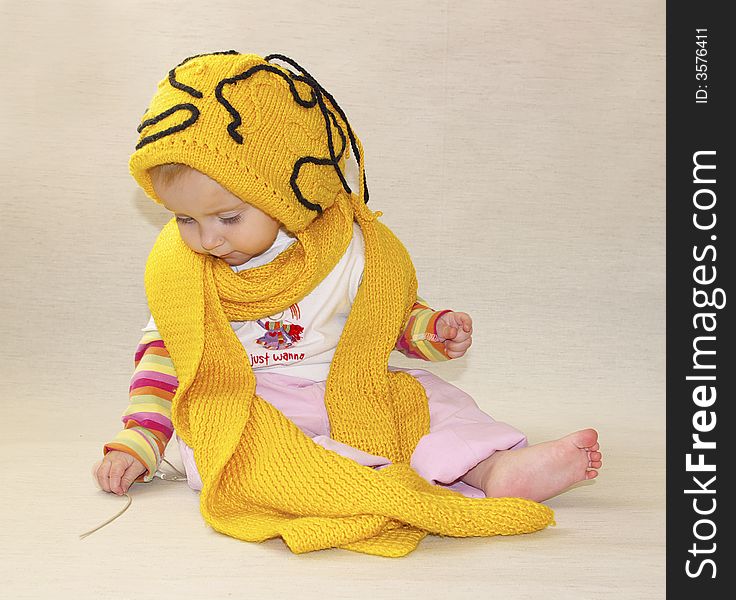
[[250, 160]]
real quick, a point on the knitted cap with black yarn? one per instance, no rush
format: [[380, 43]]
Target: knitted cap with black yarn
[[274, 138]]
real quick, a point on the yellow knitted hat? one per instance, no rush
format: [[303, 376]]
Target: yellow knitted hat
[[258, 129]]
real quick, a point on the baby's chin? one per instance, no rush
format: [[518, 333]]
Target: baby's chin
[[235, 259]]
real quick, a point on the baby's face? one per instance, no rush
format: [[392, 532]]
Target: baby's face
[[214, 221]]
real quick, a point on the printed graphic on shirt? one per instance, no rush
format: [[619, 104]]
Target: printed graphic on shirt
[[280, 333]]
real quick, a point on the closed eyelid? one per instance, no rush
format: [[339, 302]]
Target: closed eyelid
[[222, 220], [227, 214]]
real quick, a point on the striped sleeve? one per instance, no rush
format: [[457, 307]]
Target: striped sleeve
[[147, 419], [419, 338]]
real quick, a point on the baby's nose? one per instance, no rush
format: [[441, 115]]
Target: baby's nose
[[210, 240]]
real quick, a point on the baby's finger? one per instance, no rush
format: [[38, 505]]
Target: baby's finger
[[127, 480], [461, 338], [458, 346], [95, 467], [445, 330], [453, 353], [116, 474], [103, 475]]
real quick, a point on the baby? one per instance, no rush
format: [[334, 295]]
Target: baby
[[265, 213]]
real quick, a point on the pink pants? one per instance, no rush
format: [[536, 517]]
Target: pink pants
[[460, 434]]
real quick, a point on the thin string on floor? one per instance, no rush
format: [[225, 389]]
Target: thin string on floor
[[160, 474]]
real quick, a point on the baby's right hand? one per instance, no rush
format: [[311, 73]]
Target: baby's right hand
[[117, 471]]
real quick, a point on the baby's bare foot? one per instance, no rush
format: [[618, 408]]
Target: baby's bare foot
[[544, 470]]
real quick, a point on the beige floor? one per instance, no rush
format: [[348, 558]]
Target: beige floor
[[608, 541]]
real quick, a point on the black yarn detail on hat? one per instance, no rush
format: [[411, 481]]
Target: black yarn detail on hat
[[194, 110], [319, 161], [315, 84], [237, 121], [185, 88], [153, 120], [316, 99], [317, 93]]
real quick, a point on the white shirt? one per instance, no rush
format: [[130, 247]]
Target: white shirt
[[276, 344]]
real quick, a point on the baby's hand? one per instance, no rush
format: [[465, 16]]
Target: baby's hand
[[455, 329], [117, 471]]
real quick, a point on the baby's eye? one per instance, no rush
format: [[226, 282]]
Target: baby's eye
[[227, 221]]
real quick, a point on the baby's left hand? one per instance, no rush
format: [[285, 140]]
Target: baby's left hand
[[455, 329]]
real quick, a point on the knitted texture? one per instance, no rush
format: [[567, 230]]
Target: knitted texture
[[259, 130], [262, 476]]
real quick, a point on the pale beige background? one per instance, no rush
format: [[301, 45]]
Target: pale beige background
[[516, 147]]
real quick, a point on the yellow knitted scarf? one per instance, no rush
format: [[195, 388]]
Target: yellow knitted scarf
[[262, 476]]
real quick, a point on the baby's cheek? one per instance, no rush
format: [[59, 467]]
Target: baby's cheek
[[190, 240]]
